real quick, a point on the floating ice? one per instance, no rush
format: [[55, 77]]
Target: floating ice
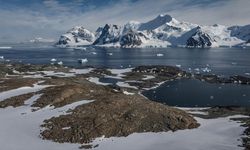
[[60, 63], [5, 47], [53, 60], [159, 55], [234, 63], [197, 69], [80, 48], [206, 69], [179, 66], [82, 61]]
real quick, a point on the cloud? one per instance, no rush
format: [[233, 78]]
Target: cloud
[[54, 17], [55, 6]]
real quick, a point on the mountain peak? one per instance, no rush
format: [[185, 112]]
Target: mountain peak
[[165, 17], [157, 22]]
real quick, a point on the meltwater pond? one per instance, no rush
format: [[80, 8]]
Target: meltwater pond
[[196, 93]]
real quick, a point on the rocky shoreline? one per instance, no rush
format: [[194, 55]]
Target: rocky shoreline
[[116, 109]]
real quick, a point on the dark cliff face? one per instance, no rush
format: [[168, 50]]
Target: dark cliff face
[[131, 39], [199, 39], [63, 40], [98, 31], [109, 34]]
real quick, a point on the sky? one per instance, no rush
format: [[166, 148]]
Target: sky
[[22, 20]]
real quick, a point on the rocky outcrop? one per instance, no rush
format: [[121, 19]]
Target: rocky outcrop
[[115, 115], [199, 39]]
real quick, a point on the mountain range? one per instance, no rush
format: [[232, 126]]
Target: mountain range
[[162, 31]]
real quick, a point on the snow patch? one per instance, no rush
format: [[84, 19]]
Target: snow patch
[[22, 90], [120, 72], [128, 93], [21, 127], [125, 85], [96, 81], [148, 77], [219, 134]]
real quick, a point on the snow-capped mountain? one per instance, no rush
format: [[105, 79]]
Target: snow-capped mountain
[[77, 36], [163, 31]]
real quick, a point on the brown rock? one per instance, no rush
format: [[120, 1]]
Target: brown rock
[[116, 115]]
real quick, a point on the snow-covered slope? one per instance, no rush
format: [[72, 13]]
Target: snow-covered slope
[[241, 32], [159, 21], [211, 36], [244, 44], [162, 31]]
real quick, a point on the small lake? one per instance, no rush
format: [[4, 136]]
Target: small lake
[[196, 93]]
